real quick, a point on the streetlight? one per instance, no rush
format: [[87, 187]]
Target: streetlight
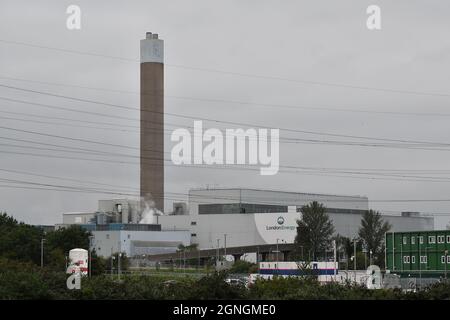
[[370, 259], [277, 252], [225, 245], [42, 252], [334, 256], [90, 255], [112, 262], [218, 244], [354, 256], [118, 264], [445, 263]]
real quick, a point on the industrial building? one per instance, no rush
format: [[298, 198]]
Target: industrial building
[[115, 228], [212, 218], [418, 253], [249, 217], [219, 218]]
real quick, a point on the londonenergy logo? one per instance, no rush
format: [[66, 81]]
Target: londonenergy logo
[[234, 147], [280, 226]]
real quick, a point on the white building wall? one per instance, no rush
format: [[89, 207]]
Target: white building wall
[[264, 228], [138, 242]]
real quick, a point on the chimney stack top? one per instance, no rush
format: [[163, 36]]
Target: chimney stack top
[[150, 35]]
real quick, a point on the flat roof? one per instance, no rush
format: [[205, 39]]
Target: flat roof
[[68, 213], [279, 191]]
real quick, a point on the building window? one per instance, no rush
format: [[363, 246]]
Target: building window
[[413, 240], [421, 239], [432, 239], [448, 239], [423, 259], [405, 240], [193, 223], [413, 259], [442, 259], [448, 259], [441, 239], [406, 259], [193, 234]]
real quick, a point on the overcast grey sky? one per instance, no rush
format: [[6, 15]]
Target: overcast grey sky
[[317, 41]]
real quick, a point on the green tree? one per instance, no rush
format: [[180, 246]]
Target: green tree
[[67, 239], [314, 230], [372, 232], [19, 241], [98, 264], [242, 266]]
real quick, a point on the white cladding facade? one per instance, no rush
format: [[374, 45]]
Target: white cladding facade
[[266, 228]]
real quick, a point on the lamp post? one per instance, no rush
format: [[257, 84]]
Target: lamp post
[[225, 246], [445, 263], [112, 262], [354, 256], [218, 252], [118, 264], [334, 256], [370, 257], [42, 252], [90, 255], [420, 262], [277, 252]]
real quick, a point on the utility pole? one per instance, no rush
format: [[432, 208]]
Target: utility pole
[[225, 245], [118, 261], [354, 257], [218, 250], [420, 264], [42, 252], [118, 264], [334, 249], [112, 262], [445, 264], [277, 254]]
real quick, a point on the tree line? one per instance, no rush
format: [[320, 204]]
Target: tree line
[[316, 232]]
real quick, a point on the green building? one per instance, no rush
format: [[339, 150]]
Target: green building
[[418, 254]]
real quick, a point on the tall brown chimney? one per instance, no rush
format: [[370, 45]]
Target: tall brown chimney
[[152, 119]]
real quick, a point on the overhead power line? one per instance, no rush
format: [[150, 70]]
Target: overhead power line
[[240, 74], [223, 121], [254, 104]]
